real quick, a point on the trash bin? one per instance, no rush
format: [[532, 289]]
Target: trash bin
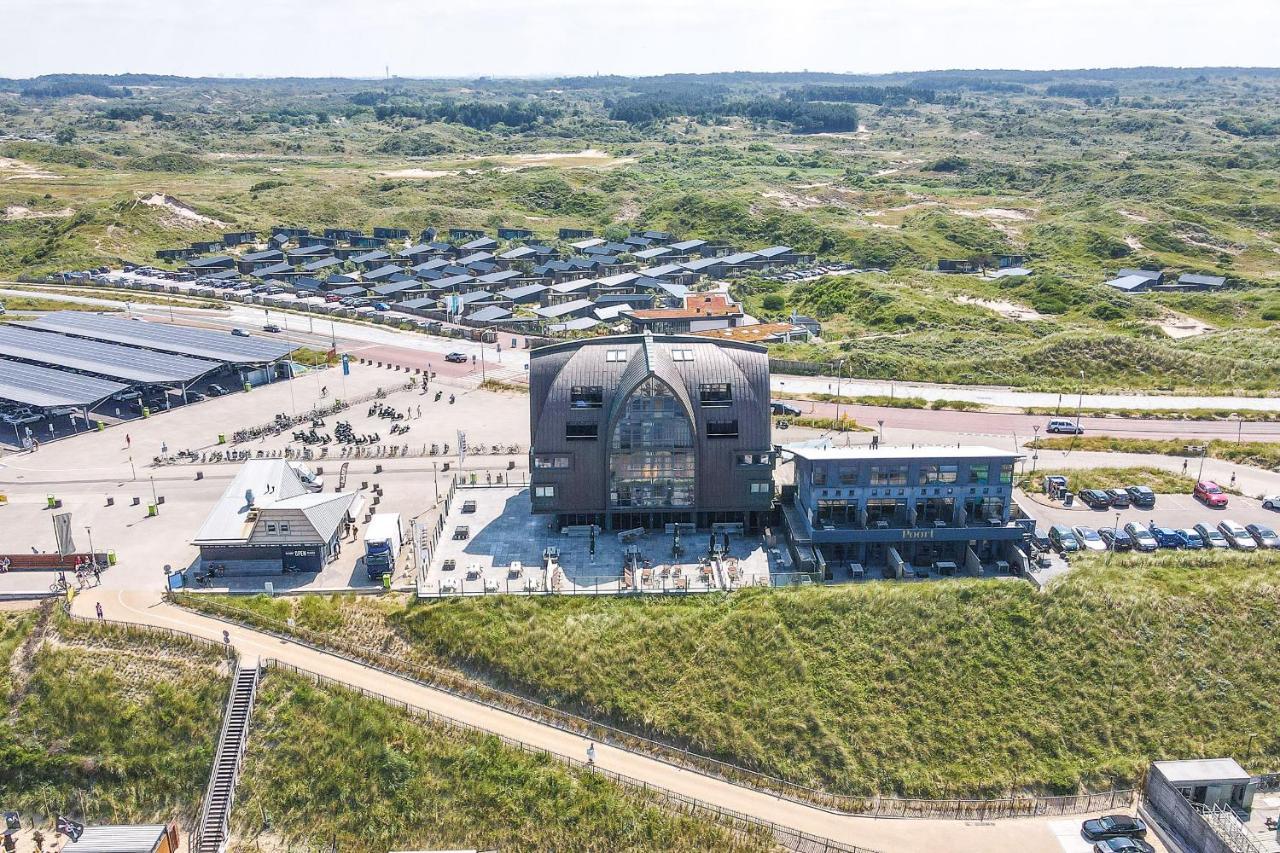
[[146, 412], [386, 580], [1068, 498], [52, 501], [101, 426], [111, 558], [151, 510], [222, 438]]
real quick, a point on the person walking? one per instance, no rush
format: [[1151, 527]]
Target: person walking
[[1233, 479], [97, 575], [1184, 467], [591, 753], [128, 442], [98, 608]]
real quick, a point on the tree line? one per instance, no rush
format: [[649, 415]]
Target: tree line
[[803, 116]]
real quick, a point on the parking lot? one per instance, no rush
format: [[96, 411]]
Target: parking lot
[[1177, 511]]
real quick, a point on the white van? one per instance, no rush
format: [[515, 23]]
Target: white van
[[1064, 425]]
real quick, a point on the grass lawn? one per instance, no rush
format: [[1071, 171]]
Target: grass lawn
[[107, 726], [35, 302], [1157, 479], [328, 765], [1259, 454], [960, 687]]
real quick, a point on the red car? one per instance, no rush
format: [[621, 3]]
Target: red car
[[1210, 493]]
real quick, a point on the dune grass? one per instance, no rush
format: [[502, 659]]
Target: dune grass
[[108, 726], [1157, 479], [963, 687], [1259, 454], [326, 765]]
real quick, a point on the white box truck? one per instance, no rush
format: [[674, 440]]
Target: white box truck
[[382, 538]]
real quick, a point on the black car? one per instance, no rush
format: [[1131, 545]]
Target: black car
[[1123, 845], [1119, 498], [215, 390], [1141, 496], [1095, 498], [1116, 539], [456, 357], [780, 408], [271, 327], [1113, 826]]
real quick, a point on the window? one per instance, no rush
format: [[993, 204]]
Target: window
[[979, 473], [716, 394], [761, 488], [753, 458], [651, 460], [818, 477], [722, 429], [271, 527], [544, 491], [284, 527], [938, 474], [849, 475], [546, 462], [682, 355], [888, 475], [578, 432], [615, 355], [586, 397], [1006, 473]]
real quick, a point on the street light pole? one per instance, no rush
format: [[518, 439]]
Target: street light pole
[[155, 502], [93, 555], [1115, 531], [1080, 403], [839, 377], [1203, 453], [1035, 448]]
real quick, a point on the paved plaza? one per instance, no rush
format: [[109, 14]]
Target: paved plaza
[[492, 543]]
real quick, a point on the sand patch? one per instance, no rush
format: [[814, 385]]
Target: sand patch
[[17, 211], [426, 174], [1181, 326], [883, 172], [180, 215], [1008, 310], [1133, 243], [1136, 217], [17, 170], [793, 201]]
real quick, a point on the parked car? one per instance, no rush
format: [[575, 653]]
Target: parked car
[[1141, 496], [1114, 826], [215, 390], [1064, 425], [456, 357], [1210, 494], [333, 297], [271, 327], [240, 333], [1142, 538], [1062, 539], [1271, 502], [777, 407], [1122, 845], [1212, 538], [1095, 498], [1116, 538], [196, 397], [1089, 538], [381, 306], [1262, 534], [1166, 537], [1236, 535], [1119, 498], [1193, 537]]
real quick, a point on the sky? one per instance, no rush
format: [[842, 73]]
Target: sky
[[540, 38]]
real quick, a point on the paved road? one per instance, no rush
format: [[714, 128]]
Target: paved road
[[975, 425], [890, 836]]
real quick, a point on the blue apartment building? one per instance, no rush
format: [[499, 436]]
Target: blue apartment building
[[903, 511]]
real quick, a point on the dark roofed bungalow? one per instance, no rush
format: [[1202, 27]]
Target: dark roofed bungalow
[[524, 294], [457, 234], [391, 233], [575, 233], [514, 233], [488, 314], [280, 269], [1196, 281], [217, 262], [688, 246], [321, 264], [382, 273], [499, 277], [479, 244], [566, 310], [203, 246], [239, 238], [365, 242], [176, 254], [368, 259]]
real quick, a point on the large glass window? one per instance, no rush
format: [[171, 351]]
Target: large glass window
[[578, 432], [930, 474], [722, 429], [651, 458], [544, 462], [715, 394], [586, 397], [978, 473], [888, 475], [1006, 473]]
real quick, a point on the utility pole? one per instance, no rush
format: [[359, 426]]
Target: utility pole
[[839, 376], [1080, 403], [1204, 451], [155, 501], [93, 555], [1035, 448]]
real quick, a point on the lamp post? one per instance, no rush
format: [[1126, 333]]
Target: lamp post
[[93, 555], [1080, 402], [1115, 531], [839, 377], [1239, 426], [155, 502], [1035, 448], [880, 423], [1204, 451]]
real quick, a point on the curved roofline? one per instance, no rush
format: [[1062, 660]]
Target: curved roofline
[[640, 337]]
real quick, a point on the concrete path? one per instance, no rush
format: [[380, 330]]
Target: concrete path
[[887, 835]]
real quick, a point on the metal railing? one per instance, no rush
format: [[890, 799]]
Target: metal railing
[[788, 837], [504, 700], [225, 823]]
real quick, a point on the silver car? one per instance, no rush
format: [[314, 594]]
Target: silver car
[[1212, 538], [1236, 535], [1089, 538], [1262, 534]]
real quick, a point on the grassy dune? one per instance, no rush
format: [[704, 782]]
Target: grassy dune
[[107, 726], [327, 765], [948, 688]]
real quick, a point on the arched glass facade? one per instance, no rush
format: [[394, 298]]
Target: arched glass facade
[[651, 452]]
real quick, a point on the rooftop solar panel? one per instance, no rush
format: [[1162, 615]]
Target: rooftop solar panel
[[127, 364], [47, 388], [184, 340]]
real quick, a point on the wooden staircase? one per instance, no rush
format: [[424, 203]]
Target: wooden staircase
[[211, 833]]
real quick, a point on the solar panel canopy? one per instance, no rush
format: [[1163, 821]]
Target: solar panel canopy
[[183, 340], [47, 388], [127, 364]]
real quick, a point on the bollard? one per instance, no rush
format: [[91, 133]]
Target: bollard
[[111, 558], [136, 501], [111, 501], [146, 412], [51, 501], [159, 500], [377, 469], [101, 426], [199, 475]]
